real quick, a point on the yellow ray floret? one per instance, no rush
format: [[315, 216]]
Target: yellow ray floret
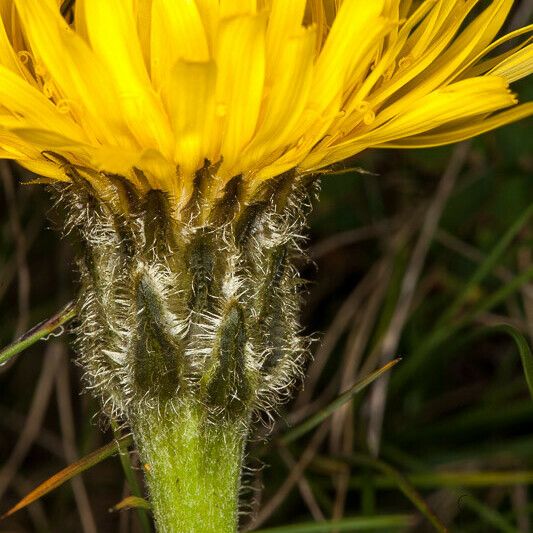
[[158, 87]]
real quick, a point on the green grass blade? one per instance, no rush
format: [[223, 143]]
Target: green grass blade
[[403, 484], [345, 397], [444, 328], [133, 484], [497, 297], [524, 350], [436, 480], [445, 332], [485, 513], [370, 523], [486, 266], [38, 332], [465, 497]]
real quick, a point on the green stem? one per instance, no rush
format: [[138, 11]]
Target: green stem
[[193, 471]]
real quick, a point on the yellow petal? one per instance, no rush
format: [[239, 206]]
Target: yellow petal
[[177, 33], [12, 147], [8, 57], [388, 60], [210, 13], [80, 24], [464, 131], [43, 168], [235, 8], [467, 98], [241, 71], [143, 9], [45, 139], [76, 74], [442, 70], [425, 34], [285, 20], [462, 99], [190, 97], [160, 172], [27, 103], [112, 30], [408, 68], [405, 8], [476, 67], [293, 73], [340, 53], [517, 66]]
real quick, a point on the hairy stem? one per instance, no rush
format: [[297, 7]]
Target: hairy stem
[[188, 326], [193, 470]]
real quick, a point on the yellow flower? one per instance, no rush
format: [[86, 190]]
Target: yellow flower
[[151, 89]]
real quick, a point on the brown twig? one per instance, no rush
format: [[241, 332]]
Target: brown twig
[[519, 500]]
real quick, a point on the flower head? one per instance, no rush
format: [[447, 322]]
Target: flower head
[[152, 89]]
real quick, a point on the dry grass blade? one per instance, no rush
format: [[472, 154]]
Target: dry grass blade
[[21, 247], [70, 471], [304, 487], [66, 420], [340, 323], [294, 476], [41, 330], [316, 419], [342, 434], [346, 238], [417, 261], [131, 502], [34, 418]]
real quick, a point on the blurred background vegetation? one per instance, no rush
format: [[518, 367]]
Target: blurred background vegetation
[[419, 254]]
